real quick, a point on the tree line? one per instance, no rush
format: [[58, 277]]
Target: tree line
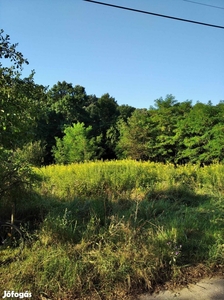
[[63, 124]]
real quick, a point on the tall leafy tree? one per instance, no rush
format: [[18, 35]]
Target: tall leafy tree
[[18, 114], [135, 138], [65, 105], [75, 146], [18, 108], [103, 116], [68, 101], [125, 111], [166, 116], [195, 132], [151, 134], [105, 112]]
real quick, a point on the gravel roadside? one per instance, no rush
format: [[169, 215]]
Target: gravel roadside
[[206, 289]]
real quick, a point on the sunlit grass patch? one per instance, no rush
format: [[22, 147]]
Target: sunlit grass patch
[[109, 229]]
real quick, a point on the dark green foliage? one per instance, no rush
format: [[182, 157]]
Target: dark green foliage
[[18, 98], [19, 111], [200, 134], [103, 117], [68, 101], [174, 132], [125, 111], [16, 178], [49, 128], [33, 153], [168, 132], [165, 124], [135, 136]]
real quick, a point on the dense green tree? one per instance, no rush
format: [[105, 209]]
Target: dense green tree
[[165, 117], [65, 105], [106, 113], [151, 134], [49, 127], [214, 148], [135, 139], [125, 111], [75, 146], [197, 132], [20, 99], [19, 110], [32, 153], [19, 107], [69, 102], [103, 115]]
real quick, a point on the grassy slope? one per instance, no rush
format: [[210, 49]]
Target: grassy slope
[[107, 229]]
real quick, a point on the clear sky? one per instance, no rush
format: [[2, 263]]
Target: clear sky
[[134, 57]]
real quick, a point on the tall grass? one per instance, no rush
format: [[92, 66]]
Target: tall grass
[[107, 230]]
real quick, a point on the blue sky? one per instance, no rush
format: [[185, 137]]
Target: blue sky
[[134, 57]]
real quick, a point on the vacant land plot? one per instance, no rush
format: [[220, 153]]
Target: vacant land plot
[[111, 230]]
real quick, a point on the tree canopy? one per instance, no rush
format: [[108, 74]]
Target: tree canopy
[[63, 123]]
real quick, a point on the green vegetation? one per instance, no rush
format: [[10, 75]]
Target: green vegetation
[[19, 110], [75, 145], [100, 229], [107, 230], [169, 131]]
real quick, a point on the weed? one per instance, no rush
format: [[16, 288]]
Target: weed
[[108, 229]]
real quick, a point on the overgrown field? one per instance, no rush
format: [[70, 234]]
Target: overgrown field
[[109, 230]]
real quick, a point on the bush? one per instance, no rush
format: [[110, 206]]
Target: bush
[[16, 177], [33, 153]]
